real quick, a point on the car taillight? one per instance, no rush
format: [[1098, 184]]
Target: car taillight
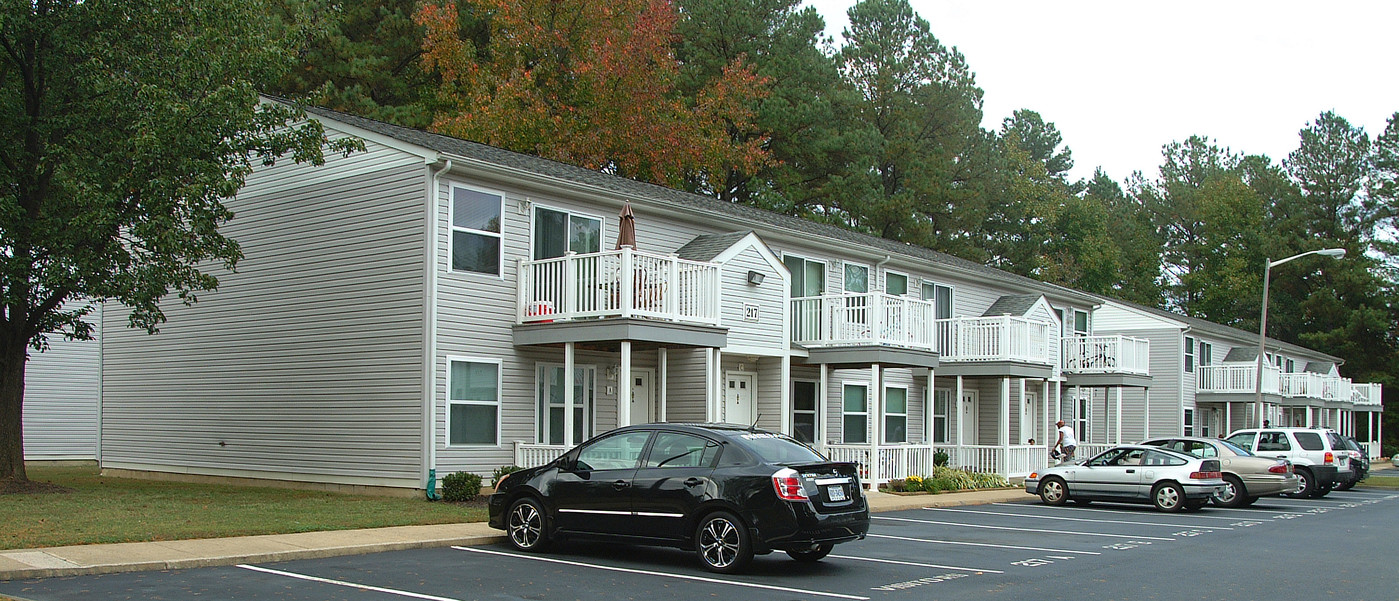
[[1204, 475], [788, 485], [1279, 469], [1329, 457]]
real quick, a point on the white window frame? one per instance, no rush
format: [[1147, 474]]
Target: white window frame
[[951, 294], [1087, 325], [1190, 350], [848, 264], [1187, 421], [534, 207], [453, 229], [541, 423], [946, 429], [908, 282], [887, 414], [1205, 351], [1083, 417], [449, 401], [844, 433], [815, 405], [825, 272]]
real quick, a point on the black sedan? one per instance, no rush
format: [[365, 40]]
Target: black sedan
[[726, 491]]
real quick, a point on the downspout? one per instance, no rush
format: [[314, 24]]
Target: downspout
[[431, 351]]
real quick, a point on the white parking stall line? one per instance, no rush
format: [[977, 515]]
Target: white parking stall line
[[1194, 516], [1301, 504], [916, 564], [971, 544], [1065, 518], [1042, 531], [354, 585], [665, 574]]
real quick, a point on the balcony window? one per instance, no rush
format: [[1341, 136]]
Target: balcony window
[[855, 414], [476, 232], [942, 299], [857, 279], [808, 277], [1206, 353], [557, 233], [895, 284], [1189, 354]]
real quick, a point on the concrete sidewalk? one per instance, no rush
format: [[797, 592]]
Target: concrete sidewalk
[[198, 553]]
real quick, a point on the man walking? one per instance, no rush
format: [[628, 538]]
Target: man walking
[[1066, 442]]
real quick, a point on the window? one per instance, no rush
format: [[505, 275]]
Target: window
[[857, 279], [808, 277], [895, 284], [1189, 354], [855, 413], [1243, 440], [1189, 429], [895, 415], [1080, 323], [804, 411], [1310, 441], [673, 449], [550, 403], [1291, 366], [476, 237], [473, 403], [1082, 418], [942, 403], [616, 452], [1206, 353], [941, 297], [557, 233], [1276, 441]]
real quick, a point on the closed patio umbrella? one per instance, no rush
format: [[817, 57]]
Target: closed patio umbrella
[[626, 228]]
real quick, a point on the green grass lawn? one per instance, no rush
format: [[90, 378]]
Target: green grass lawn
[[1380, 481], [112, 510]]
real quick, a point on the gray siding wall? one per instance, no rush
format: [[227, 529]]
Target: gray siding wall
[[768, 333], [306, 364], [62, 388]]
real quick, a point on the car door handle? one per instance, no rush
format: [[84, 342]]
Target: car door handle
[[694, 482], [621, 484], [1131, 471]]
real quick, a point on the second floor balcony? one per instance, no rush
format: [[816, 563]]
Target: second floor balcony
[[623, 283], [1366, 395], [1238, 378], [1107, 355]]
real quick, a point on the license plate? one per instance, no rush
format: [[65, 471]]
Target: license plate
[[835, 493]]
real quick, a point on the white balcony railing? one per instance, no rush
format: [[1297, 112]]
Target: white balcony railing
[[1371, 449], [1107, 355], [1004, 338], [860, 319], [529, 454], [1301, 385], [621, 283], [902, 461], [1236, 379], [1365, 395]]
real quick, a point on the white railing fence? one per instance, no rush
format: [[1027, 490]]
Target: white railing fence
[[1004, 338], [1107, 354], [529, 454], [1372, 450], [1366, 394], [621, 283], [1238, 378], [873, 318]]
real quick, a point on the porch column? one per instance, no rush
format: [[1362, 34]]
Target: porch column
[[1146, 413], [823, 395], [1379, 434], [961, 415], [1021, 438], [624, 390], [1003, 427], [876, 412], [661, 375], [719, 386], [709, 385], [1044, 406], [1229, 418], [786, 401], [568, 350], [1118, 417], [1058, 407]]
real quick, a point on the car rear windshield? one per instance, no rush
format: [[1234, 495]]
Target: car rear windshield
[[1238, 450], [776, 448], [1340, 443], [1310, 441]]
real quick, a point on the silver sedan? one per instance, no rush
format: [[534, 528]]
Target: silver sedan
[[1246, 476], [1131, 474]]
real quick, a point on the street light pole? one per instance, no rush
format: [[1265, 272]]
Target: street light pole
[[1263, 325]]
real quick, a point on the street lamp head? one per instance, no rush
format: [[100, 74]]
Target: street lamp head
[[1332, 252]]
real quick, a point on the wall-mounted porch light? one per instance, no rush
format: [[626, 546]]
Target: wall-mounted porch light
[[755, 277]]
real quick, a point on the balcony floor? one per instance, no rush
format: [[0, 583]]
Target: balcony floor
[[866, 355], [662, 333]]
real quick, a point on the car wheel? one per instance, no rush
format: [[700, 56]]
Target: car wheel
[[1248, 501], [1083, 502], [1347, 486], [722, 543], [1196, 505], [811, 555], [1305, 485], [1168, 496], [1320, 491], [526, 525], [1053, 491], [1233, 494]]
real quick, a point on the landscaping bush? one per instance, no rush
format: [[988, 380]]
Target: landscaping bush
[[940, 458], [460, 487], [501, 472]]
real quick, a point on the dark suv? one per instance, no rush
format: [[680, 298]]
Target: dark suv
[[725, 491]]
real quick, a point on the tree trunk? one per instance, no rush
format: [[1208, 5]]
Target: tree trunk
[[12, 360]]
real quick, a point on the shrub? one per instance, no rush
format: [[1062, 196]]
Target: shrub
[[501, 471], [897, 485], [461, 486], [940, 458]]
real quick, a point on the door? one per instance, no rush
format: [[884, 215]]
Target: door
[[968, 422], [594, 493], [1116, 474], [673, 481], [643, 403], [1028, 422], [804, 411], [738, 399]]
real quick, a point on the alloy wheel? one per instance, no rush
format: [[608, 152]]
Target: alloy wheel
[[526, 526], [719, 542]]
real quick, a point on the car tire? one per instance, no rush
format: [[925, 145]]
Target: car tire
[[1249, 501], [1306, 484], [811, 555], [1321, 491], [1053, 491], [1235, 495], [1168, 496], [722, 543], [1083, 502], [526, 525], [1347, 486], [1196, 505]]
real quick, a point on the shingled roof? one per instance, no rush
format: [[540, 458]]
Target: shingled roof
[[706, 247], [1012, 304]]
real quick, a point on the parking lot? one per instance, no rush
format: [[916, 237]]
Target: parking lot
[[1335, 546]]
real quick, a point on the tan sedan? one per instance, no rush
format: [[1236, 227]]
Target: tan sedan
[[1247, 476]]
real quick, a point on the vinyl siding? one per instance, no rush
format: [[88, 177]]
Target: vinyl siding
[[770, 297], [62, 388], [307, 363]]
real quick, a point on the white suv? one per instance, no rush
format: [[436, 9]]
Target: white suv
[[1319, 458]]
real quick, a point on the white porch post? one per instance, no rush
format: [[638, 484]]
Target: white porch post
[[876, 412], [709, 385], [1379, 434], [1146, 413], [1003, 435], [661, 375], [786, 401], [1229, 418], [1023, 426], [624, 387], [719, 415], [568, 350], [1118, 417], [1044, 407], [961, 416], [823, 395]]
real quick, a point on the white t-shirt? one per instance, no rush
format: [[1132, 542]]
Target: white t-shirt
[[1068, 435]]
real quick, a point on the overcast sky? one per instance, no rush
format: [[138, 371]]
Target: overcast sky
[[1120, 79]]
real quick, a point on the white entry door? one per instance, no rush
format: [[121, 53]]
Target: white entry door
[[738, 399], [1028, 423], [967, 422], [643, 405]]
